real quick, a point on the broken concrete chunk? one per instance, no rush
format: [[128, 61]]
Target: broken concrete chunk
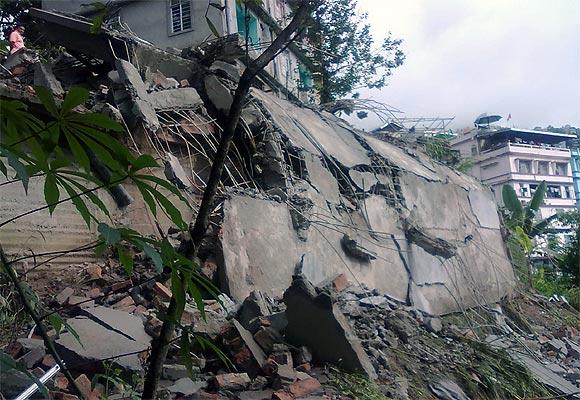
[[332, 340], [266, 337], [183, 98], [175, 173], [304, 387], [255, 349], [255, 305], [130, 77], [433, 324], [43, 76], [122, 322], [374, 301], [352, 248], [174, 372], [187, 387], [63, 296], [219, 95], [230, 71], [256, 395], [33, 357]]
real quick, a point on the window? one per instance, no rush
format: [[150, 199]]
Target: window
[[561, 169], [247, 21], [524, 191], [543, 168], [554, 192], [525, 167], [474, 150], [180, 15], [568, 192]]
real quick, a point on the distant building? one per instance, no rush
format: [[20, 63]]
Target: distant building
[[522, 158], [575, 164], [184, 23]]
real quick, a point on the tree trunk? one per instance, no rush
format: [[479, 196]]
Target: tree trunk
[[189, 248]]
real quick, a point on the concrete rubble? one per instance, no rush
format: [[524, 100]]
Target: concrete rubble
[[337, 253]]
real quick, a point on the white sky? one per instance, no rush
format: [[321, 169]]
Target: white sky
[[466, 57]]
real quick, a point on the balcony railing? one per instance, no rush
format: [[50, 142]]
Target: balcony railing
[[521, 146]]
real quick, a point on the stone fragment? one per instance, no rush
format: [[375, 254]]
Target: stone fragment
[[126, 304], [184, 83], [94, 293], [332, 340], [282, 395], [304, 387], [162, 291], [446, 389], [302, 355], [233, 381], [14, 349], [81, 302], [558, 346], [402, 325], [64, 396], [43, 76], [219, 95], [433, 324], [338, 283], [352, 248], [63, 296], [48, 361], [31, 343], [187, 387], [255, 350], [209, 269], [374, 301], [173, 372], [266, 337]]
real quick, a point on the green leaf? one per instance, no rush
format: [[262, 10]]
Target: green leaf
[[77, 201], [163, 183], [97, 24], [197, 297], [97, 120], [205, 343], [92, 196], [125, 259], [178, 290], [3, 169], [537, 199], [185, 352], [154, 256], [111, 235], [75, 97], [144, 161], [56, 322], [78, 151], [73, 332], [511, 202], [100, 249], [21, 172], [212, 27], [51, 192], [47, 100], [144, 190], [7, 363]]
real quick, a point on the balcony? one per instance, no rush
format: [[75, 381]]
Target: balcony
[[527, 149]]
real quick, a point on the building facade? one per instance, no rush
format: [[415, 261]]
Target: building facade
[[522, 158], [185, 23], [575, 164]]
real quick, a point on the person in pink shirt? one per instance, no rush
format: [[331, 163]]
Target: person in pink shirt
[[16, 40]]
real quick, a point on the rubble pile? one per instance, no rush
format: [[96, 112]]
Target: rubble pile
[[340, 256]]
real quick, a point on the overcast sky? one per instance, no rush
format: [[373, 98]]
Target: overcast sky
[[465, 57]]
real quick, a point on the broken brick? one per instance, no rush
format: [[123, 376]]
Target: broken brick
[[305, 387], [124, 303], [340, 283], [48, 361], [209, 269], [94, 272], [282, 395], [232, 381], [122, 285], [184, 83], [60, 382], [94, 293], [14, 349], [63, 396], [84, 385], [162, 291]]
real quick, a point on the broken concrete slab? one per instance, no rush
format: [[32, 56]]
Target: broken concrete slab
[[254, 306], [43, 76], [187, 387], [172, 99], [98, 340], [255, 349], [332, 340], [446, 389], [121, 322], [219, 95], [175, 173], [228, 70]]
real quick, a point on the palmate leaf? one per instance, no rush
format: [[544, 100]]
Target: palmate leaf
[[77, 201], [154, 256], [178, 290], [75, 97], [511, 202], [97, 120], [125, 259], [51, 192], [111, 235], [205, 344], [47, 100], [185, 352]]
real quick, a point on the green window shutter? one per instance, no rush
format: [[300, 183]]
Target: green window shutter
[[252, 24]]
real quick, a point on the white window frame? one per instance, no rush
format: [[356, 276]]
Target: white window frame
[[170, 14]]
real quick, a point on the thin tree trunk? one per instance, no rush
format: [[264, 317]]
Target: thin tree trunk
[[5, 264], [199, 228]]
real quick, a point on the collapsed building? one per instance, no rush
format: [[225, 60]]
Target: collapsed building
[[306, 201]]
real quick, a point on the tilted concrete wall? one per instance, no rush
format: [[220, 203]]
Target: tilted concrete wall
[[433, 232]]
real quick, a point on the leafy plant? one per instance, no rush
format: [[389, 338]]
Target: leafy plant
[[113, 381], [355, 385]]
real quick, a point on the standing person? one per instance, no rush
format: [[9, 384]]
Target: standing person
[[16, 40]]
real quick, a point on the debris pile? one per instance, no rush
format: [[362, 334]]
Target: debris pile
[[342, 257]]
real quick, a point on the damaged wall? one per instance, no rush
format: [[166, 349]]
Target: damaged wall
[[387, 217]]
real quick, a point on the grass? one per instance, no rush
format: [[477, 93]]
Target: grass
[[355, 385]]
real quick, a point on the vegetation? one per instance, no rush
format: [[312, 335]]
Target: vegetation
[[439, 148], [356, 386], [343, 50]]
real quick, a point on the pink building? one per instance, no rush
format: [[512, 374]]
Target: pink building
[[522, 158]]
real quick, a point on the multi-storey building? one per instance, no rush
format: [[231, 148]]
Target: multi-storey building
[[186, 23], [522, 158], [575, 164]]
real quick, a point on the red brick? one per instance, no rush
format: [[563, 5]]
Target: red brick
[[124, 302], [122, 285], [209, 269], [162, 291], [140, 310], [60, 382], [48, 361], [305, 387], [303, 367], [232, 381], [14, 349], [84, 385], [184, 83], [340, 283], [63, 396]]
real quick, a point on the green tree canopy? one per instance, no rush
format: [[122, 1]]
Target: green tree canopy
[[345, 52]]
